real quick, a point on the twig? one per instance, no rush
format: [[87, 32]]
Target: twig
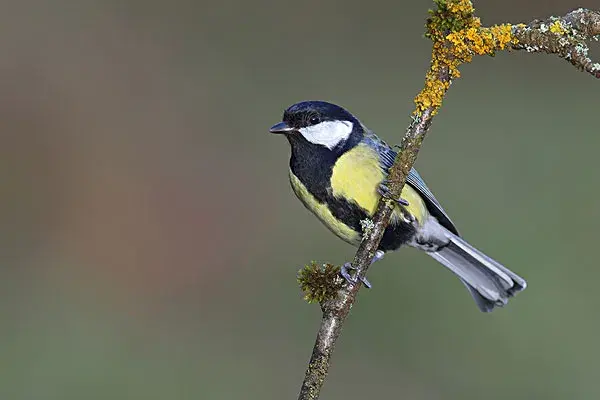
[[565, 36], [457, 35]]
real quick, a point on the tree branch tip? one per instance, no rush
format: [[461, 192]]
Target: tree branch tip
[[564, 36]]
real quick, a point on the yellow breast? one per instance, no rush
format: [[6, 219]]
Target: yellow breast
[[357, 175]]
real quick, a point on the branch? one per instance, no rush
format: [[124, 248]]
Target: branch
[[565, 36], [457, 36]]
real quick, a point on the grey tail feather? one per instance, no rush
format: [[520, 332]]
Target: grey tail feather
[[490, 283]]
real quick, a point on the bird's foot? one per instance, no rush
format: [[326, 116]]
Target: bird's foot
[[353, 280], [384, 191]]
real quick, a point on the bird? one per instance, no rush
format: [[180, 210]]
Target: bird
[[338, 169]]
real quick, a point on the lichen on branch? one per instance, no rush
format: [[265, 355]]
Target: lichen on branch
[[457, 36], [564, 36]]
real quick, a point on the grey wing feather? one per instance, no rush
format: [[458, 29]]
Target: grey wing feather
[[387, 157]]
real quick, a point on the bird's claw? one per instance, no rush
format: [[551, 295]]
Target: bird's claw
[[384, 191], [353, 280]]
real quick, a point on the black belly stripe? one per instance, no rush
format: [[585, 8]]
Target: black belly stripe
[[396, 235], [351, 214]]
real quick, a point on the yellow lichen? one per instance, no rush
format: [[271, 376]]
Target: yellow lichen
[[460, 7], [457, 35], [480, 41], [558, 28], [433, 92]]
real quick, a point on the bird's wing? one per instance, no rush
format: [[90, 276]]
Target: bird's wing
[[387, 156]]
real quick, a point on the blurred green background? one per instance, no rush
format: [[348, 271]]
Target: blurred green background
[[150, 240]]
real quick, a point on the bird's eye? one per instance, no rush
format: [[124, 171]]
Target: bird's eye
[[314, 120]]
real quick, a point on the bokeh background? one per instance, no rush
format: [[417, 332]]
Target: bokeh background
[[150, 240]]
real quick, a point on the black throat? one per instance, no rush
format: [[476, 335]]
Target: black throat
[[312, 164]]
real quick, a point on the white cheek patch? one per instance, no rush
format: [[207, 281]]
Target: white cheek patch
[[328, 133]]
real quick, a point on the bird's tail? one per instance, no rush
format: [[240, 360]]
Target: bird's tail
[[490, 283]]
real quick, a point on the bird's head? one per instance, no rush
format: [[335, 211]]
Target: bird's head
[[319, 126]]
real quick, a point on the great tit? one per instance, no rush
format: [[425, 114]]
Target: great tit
[[338, 169]]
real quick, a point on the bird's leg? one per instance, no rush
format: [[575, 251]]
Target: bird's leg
[[348, 266], [384, 191]]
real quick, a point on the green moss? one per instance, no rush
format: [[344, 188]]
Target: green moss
[[450, 16], [319, 282]]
